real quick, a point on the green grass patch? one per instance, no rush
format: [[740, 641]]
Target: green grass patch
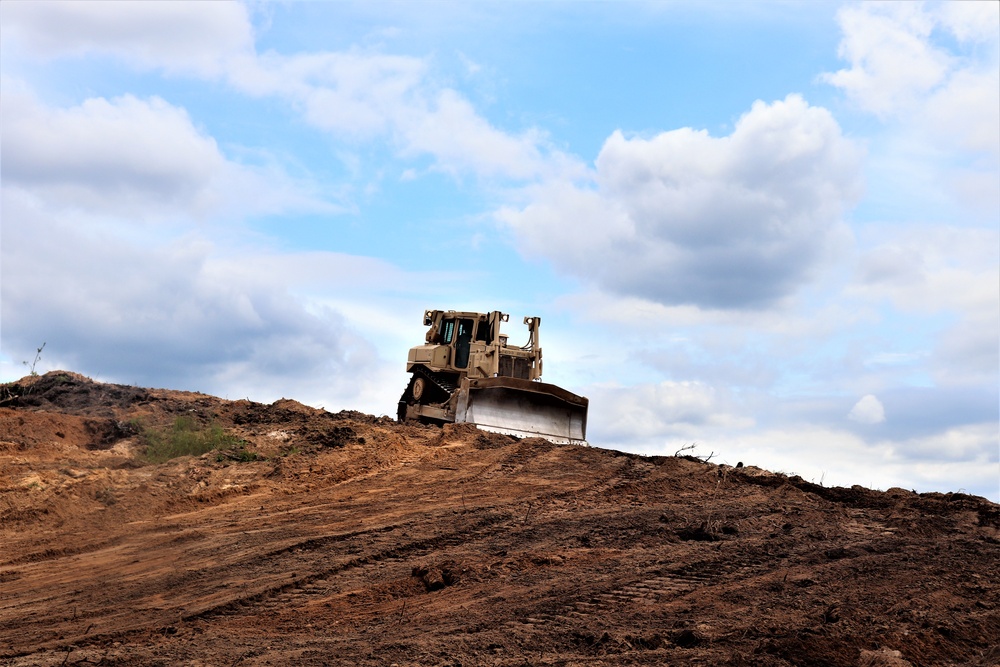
[[185, 438]]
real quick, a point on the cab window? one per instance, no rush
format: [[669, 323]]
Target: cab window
[[483, 332], [462, 346], [447, 331]]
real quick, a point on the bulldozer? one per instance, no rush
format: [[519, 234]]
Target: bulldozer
[[468, 372]]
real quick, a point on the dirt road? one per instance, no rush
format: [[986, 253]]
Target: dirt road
[[343, 539]]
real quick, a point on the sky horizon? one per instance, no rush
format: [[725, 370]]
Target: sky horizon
[[770, 230]]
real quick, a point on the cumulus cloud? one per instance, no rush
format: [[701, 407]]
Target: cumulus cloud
[[102, 151], [200, 38], [952, 449], [952, 270], [681, 232], [935, 440], [942, 279], [663, 412], [352, 94], [355, 95], [142, 158], [933, 65], [892, 61], [165, 305], [841, 458], [868, 410], [462, 140], [362, 96], [79, 274], [686, 218], [174, 314]]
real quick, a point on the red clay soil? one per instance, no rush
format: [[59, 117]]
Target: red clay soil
[[354, 540]]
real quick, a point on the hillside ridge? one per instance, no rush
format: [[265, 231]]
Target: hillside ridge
[[309, 537]]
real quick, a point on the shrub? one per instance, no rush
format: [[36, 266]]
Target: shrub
[[185, 438]]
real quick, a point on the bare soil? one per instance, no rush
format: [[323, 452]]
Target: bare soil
[[354, 540]]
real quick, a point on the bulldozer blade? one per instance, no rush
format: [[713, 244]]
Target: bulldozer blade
[[523, 408]]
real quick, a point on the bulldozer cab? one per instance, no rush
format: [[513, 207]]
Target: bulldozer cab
[[456, 333], [470, 344]]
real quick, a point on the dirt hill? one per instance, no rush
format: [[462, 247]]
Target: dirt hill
[[310, 538]]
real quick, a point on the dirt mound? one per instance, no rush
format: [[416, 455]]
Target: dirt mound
[[71, 393], [304, 537]]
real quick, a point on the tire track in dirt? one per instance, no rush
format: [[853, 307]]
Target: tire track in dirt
[[53, 553], [495, 518], [300, 555], [638, 595], [279, 594]]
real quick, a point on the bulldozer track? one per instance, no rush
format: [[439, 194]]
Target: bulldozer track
[[375, 552], [439, 379], [508, 464], [493, 517], [639, 595], [511, 465], [441, 390], [395, 554], [444, 387], [316, 583]]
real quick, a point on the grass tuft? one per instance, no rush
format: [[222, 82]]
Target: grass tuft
[[185, 438]]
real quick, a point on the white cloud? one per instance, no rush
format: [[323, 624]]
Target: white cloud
[[970, 20], [928, 270], [461, 140], [971, 443], [933, 268], [178, 315], [965, 112], [901, 66], [662, 412], [968, 352], [661, 419], [352, 94], [685, 218], [892, 63], [165, 305], [362, 96], [471, 67], [221, 319], [142, 159], [355, 95], [178, 36], [840, 458], [122, 152], [868, 410]]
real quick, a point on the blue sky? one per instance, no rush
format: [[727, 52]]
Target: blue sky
[[770, 229]]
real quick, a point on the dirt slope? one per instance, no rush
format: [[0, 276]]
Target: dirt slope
[[354, 540]]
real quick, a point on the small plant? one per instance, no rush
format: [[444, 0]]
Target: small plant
[[184, 438], [38, 357], [240, 454], [245, 455]]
